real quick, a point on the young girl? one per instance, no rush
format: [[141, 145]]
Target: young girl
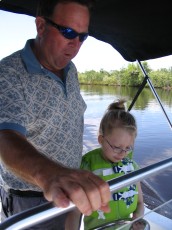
[[117, 133]]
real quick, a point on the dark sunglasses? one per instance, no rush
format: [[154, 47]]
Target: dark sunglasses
[[67, 32]]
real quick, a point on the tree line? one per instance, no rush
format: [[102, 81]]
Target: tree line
[[129, 76]]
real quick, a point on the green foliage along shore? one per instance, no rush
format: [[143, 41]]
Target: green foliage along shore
[[130, 76]]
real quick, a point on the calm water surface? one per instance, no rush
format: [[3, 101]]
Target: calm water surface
[[154, 139]]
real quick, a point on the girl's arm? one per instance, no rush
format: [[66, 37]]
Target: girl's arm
[[140, 205]]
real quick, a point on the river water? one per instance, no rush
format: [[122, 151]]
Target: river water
[[154, 139]]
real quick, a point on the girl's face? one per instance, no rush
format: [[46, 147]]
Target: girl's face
[[117, 145]]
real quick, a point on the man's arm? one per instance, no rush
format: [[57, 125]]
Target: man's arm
[[58, 183]]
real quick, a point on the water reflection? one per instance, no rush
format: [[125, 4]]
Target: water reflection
[[154, 140]]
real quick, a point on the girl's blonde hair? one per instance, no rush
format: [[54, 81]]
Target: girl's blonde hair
[[117, 117]]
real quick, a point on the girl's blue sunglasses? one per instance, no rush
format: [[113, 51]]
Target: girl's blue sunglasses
[[67, 32]]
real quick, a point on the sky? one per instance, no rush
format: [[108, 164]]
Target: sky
[[93, 55]]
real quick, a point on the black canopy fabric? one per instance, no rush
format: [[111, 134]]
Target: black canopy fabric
[[138, 30]]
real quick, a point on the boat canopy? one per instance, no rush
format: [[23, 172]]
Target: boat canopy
[[138, 30]]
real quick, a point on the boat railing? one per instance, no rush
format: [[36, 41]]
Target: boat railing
[[46, 211]]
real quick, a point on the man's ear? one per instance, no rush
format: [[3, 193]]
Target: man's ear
[[100, 139], [40, 25]]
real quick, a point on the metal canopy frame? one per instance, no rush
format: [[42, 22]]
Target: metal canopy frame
[[145, 81]]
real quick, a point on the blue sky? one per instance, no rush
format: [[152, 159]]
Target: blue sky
[[94, 54]]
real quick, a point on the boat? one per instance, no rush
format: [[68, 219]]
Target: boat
[[139, 31]]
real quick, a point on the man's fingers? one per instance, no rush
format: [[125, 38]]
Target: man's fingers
[[86, 190], [91, 194], [105, 208], [58, 196], [79, 197], [103, 189]]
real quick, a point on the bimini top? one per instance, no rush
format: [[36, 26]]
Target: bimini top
[[138, 30]]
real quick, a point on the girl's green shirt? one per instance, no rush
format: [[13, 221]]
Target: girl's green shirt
[[124, 201]]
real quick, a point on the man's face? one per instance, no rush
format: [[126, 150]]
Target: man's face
[[56, 51]]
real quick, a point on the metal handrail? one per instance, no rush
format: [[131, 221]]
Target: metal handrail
[[48, 210]]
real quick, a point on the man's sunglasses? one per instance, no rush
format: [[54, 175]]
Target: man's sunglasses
[[67, 32]]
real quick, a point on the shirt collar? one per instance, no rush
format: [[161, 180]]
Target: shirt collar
[[31, 62]]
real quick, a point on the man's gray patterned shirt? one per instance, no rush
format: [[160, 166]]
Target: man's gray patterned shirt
[[49, 112]]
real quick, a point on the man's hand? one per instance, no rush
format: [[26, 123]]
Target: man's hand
[[86, 190]]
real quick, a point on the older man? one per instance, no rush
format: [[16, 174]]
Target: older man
[[41, 118]]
